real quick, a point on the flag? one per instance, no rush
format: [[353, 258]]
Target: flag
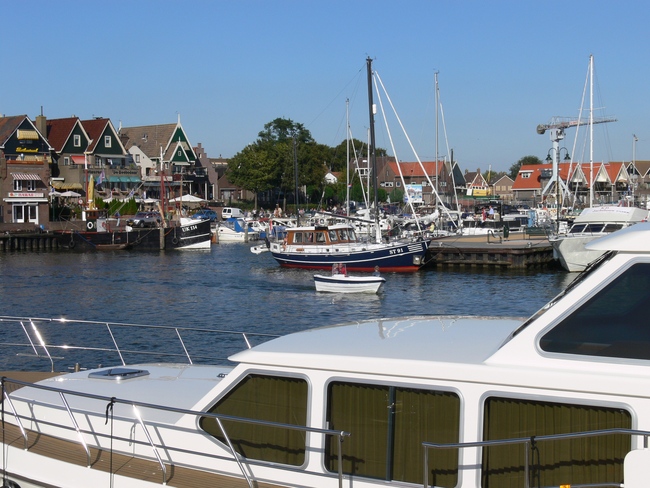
[[100, 178]]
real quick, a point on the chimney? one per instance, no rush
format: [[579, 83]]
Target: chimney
[[41, 123]]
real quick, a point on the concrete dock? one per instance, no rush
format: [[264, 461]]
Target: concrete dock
[[518, 251]]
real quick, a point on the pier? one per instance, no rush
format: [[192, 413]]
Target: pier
[[519, 251], [28, 241]]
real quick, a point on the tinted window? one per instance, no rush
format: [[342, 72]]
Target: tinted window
[[613, 323], [268, 398]]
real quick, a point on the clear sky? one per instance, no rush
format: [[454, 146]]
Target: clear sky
[[228, 67]]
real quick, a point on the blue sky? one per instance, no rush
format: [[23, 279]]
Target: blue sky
[[229, 67]]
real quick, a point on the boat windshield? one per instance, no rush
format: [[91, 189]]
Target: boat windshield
[[594, 265]]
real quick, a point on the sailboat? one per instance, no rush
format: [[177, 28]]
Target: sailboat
[[594, 221], [320, 246]]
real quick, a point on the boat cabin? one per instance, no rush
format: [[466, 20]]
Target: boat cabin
[[321, 235]]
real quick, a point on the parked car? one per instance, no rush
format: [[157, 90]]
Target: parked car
[[230, 212], [204, 214], [145, 219]]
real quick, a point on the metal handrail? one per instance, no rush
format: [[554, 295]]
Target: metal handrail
[[526, 441], [39, 347], [135, 404]]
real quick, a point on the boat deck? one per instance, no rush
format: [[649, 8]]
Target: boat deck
[[118, 464]]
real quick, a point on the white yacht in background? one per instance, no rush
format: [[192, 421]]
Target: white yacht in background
[[592, 223]]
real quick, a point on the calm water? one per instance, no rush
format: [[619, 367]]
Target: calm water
[[231, 288]]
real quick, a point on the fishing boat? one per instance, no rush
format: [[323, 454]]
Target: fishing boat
[[561, 398], [183, 234], [320, 247], [341, 282], [592, 223]]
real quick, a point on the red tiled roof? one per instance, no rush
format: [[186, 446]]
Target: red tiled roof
[[414, 169], [59, 130], [94, 128]]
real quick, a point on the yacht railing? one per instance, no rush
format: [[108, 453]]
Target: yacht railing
[[527, 442], [138, 417], [42, 339]]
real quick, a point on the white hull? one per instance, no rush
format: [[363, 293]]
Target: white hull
[[348, 284], [570, 251], [228, 235]]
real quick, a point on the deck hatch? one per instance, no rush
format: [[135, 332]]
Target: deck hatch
[[118, 374]]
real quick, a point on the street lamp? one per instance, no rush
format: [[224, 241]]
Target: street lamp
[[555, 159]]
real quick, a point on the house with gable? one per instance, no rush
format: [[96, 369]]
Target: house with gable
[[69, 141], [107, 155], [25, 162], [475, 184], [164, 154]]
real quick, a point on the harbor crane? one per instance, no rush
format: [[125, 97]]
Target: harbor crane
[[556, 128]]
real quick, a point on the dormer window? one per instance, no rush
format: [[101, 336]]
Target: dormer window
[[107, 141], [76, 140]]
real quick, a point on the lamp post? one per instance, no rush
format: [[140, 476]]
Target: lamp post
[[555, 159]]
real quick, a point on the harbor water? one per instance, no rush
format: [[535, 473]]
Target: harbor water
[[230, 288]]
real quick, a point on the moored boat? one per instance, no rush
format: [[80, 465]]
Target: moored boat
[[592, 223], [235, 230], [184, 234], [320, 247], [447, 401]]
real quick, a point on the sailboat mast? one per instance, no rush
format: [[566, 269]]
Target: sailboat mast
[[437, 105], [371, 148], [347, 156], [591, 130]]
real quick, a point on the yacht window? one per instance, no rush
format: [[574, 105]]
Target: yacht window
[[309, 237], [332, 235], [352, 235], [594, 461], [297, 238], [576, 228], [343, 235], [268, 398], [388, 425], [613, 323], [613, 227], [320, 237]]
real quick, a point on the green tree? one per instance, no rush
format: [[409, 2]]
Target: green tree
[[339, 153], [514, 169], [253, 170]]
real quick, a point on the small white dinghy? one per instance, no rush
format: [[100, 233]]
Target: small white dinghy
[[340, 282]]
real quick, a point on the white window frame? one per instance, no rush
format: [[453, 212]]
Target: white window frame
[[76, 140], [31, 185], [108, 141], [18, 185]]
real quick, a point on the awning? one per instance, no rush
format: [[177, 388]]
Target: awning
[[60, 185], [24, 200], [78, 159], [27, 135], [180, 163], [134, 179], [25, 176]]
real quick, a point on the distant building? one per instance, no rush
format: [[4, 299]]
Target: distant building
[[25, 163], [166, 159]]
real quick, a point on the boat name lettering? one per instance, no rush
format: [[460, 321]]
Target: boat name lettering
[[190, 228], [396, 251]]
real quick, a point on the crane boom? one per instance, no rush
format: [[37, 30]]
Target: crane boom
[[566, 122]]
